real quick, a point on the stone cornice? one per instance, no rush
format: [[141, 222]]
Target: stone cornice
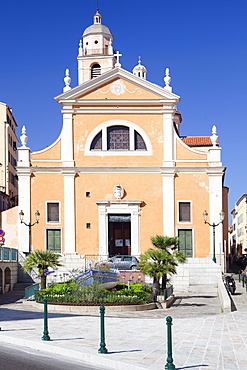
[[161, 170], [119, 111], [120, 201]]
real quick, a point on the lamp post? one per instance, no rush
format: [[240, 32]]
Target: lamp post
[[37, 215], [205, 216]]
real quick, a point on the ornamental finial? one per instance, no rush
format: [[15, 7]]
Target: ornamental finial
[[24, 137], [214, 136], [167, 80], [67, 81]]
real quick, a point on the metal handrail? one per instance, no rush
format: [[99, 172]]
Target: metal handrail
[[30, 291]]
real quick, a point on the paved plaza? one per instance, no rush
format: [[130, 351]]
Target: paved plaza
[[203, 337]]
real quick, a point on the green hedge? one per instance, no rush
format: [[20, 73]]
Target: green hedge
[[66, 293]]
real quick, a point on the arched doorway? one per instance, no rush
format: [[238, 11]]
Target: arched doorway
[[7, 279]]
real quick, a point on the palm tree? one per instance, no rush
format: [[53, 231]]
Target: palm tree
[[170, 245], [42, 260], [160, 262]]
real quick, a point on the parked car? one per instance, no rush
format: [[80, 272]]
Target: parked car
[[124, 262]]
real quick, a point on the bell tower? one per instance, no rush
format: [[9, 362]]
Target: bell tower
[[96, 54]]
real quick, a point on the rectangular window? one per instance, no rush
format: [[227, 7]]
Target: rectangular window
[[184, 212], [53, 212], [53, 240]]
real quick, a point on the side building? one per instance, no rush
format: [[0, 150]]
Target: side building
[[238, 227], [8, 158]]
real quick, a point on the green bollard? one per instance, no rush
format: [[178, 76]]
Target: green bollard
[[102, 348], [45, 332], [243, 281], [169, 364]]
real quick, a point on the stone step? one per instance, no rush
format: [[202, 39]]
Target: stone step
[[203, 288]]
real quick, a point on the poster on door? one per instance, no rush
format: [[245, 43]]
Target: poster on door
[[118, 242]]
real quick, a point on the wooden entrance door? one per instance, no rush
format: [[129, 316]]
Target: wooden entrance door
[[119, 235]]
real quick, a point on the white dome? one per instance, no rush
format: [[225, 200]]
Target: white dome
[[140, 70]]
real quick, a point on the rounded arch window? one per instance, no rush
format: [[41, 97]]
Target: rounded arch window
[[118, 137], [95, 70]]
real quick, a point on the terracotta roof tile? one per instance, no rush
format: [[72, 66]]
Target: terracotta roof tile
[[197, 140]]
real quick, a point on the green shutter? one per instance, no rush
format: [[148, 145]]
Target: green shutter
[[185, 242], [54, 240]]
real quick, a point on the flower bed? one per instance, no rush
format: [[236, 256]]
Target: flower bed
[[72, 294]]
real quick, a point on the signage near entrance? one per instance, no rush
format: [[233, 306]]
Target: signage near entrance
[[2, 236]]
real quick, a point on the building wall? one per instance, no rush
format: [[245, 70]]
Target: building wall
[[8, 158]]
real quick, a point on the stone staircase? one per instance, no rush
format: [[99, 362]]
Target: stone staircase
[[197, 275], [72, 264]]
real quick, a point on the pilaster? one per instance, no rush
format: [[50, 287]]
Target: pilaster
[[24, 197], [67, 141], [168, 204], [168, 137], [215, 207], [69, 213]]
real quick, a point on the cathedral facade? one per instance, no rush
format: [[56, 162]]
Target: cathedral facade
[[120, 172]]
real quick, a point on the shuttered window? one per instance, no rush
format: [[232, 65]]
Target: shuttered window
[[53, 240], [184, 212], [53, 212]]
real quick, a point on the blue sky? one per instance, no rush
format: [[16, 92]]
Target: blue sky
[[202, 42]]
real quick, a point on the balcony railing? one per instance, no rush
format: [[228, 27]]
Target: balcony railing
[[97, 51], [8, 254]]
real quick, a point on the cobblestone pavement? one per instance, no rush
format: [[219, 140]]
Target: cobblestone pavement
[[203, 337]]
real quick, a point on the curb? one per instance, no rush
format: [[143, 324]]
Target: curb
[[92, 309], [97, 360]]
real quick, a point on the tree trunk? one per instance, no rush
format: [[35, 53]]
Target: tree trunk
[[164, 281], [156, 288], [43, 282]]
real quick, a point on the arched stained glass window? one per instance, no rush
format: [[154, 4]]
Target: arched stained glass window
[[97, 142], [139, 142], [118, 138]]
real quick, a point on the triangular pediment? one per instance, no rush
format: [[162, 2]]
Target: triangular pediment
[[117, 84]]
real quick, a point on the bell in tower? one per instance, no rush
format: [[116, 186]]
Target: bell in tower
[[96, 54]]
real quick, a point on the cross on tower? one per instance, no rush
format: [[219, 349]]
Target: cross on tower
[[118, 55]]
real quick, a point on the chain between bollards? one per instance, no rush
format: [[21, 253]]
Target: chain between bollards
[[169, 364], [45, 332], [102, 348]]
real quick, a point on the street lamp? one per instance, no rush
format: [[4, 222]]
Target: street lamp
[[205, 216], [37, 215]]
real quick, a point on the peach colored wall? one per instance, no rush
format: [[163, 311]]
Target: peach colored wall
[[151, 124], [46, 164], [191, 164], [53, 152], [196, 192], [135, 92], [145, 187], [184, 152], [44, 187]]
